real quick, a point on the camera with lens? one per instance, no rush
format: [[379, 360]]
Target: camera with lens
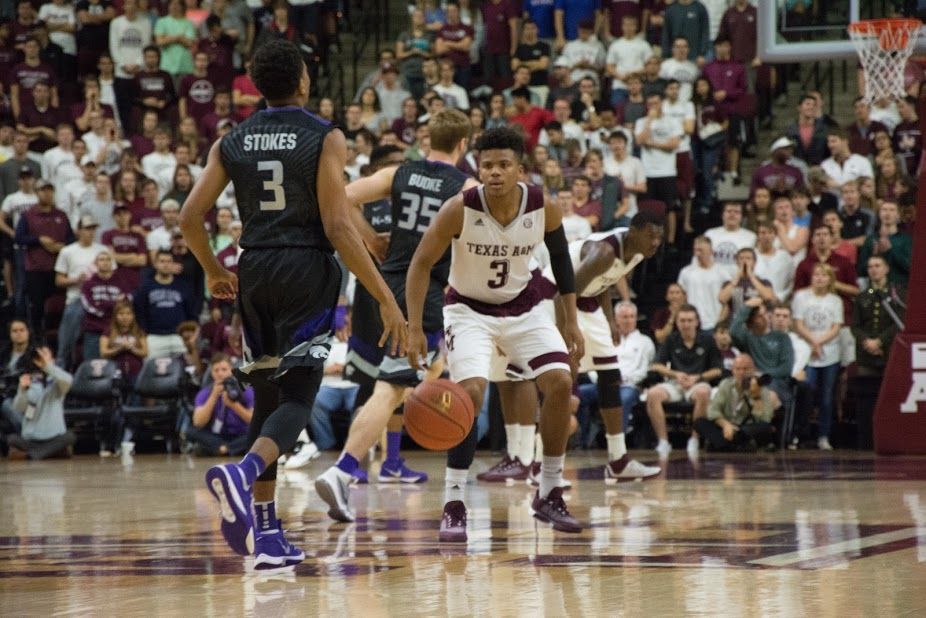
[[232, 388], [763, 380]]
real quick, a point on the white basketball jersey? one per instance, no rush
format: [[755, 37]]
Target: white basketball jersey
[[491, 263], [619, 268]]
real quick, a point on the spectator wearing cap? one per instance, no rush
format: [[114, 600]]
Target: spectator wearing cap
[[454, 40], [74, 265], [568, 15], [11, 211], [531, 117], [501, 19], [98, 297], [24, 76], [43, 231], [585, 54], [687, 19], [843, 165], [390, 93], [98, 203], [159, 239], [777, 175], [38, 119], [128, 247], [11, 169], [161, 304], [154, 87], [77, 188]]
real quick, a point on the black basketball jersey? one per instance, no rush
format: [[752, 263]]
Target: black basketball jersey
[[379, 215], [272, 159], [419, 189]]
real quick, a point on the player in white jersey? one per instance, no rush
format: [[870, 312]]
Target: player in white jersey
[[494, 303], [601, 261]]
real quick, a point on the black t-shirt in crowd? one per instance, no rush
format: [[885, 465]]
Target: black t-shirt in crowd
[[93, 36], [697, 359], [534, 52]]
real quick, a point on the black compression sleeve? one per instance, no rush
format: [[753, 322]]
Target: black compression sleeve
[[559, 260]]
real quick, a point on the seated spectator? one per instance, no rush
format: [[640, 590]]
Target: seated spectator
[[582, 204], [154, 87], [773, 264], [12, 360], [678, 66], [98, 296], [894, 245], [405, 126], [98, 204], [702, 281], [38, 119], [663, 320], [124, 342], [862, 130], [843, 165], [808, 133], [194, 346], [197, 89], [24, 76], [576, 226], [92, 103], [128, 247], [161, 304], [739, 416], [222, 413], [731, 237], [694, 361], [150, 216], [39, 401], [771, 349], [724, 343], [778, 176], [745, 285], [635, 354], [856, 223]]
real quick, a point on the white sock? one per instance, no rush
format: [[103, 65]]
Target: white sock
[[616, 446], [454, 484], [551, 474], [513, 433], [538, 447], [303, 437], [526, 451]]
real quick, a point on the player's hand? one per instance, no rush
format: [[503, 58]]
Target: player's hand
[[395, 328], [222, 284], [417, 348], [575, 343], [380, 246]]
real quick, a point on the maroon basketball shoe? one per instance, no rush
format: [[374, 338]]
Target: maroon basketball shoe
[[453, 523], [627, 469], [507, 468], [552, 509]]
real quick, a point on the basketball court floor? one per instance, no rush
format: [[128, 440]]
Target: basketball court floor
[[781, 534]]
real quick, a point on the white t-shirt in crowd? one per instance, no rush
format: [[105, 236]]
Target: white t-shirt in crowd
[[703, 285], [631, 172], [802, 352], [627, 56], [681, 111], [15, 204], [658, 163], [726, 243], [154, 163], [63, 14], [127, 40], [686, 72], [159, 239], [74, 191], [454, 96], [590, 51], [635, 353], [75, 259], [819, 314], [853, 168], [576, 227], [778, 269]]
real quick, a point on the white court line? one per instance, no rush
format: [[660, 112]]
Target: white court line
[[835, 549]]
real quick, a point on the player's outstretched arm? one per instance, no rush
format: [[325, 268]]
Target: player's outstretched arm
[[362, 191], [333, 209], [221, 283], [555, 240], [447, 224]]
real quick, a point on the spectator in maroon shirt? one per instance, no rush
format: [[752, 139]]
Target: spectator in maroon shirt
[[501, 35], [404, 126], [822, 251], [197, 90], [454, 40], [143, 142], [228, 258], [128, 247], [99, 295], [583, 205], [531, 117], [149, 216], [222, 111], [26, 21], [862, 131], [777, 175], [738, 25], [43, 231], [26, 74], [154, 88], [80, 112], [220, 49], [39, 120], [614, 11]]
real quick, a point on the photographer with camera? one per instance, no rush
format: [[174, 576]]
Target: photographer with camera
[[222, 413], [39, 401], [739, 416]]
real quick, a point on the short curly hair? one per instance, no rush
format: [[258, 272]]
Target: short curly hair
[[501, 138], [277, 69]]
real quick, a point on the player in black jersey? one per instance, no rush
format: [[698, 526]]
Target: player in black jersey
[[418, 190], [287, 167]]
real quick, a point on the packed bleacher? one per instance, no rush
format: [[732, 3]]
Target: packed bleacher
[[110, 108]]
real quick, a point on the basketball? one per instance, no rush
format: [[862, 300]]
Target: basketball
[[438, 414]]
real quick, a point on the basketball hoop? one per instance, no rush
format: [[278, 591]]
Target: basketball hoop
[[884, 46]]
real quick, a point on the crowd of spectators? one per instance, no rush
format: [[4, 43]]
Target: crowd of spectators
[[109, 108]]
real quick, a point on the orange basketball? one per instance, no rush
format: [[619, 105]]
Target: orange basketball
[[438, 414]]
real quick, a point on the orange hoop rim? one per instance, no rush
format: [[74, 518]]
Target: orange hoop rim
[[877, 27]]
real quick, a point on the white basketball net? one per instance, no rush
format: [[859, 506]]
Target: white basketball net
[[884, 47]]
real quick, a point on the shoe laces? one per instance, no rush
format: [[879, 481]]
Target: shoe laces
[[557, 502]]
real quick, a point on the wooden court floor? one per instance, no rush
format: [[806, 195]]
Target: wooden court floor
[[795, 534]]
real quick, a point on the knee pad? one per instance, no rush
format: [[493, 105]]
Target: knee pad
[[609, 388]]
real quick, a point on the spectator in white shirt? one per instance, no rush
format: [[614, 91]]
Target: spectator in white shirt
[[390, 92], [129, 34], [59, 164], [635, 354], [154, 163], [629, 169], [843, 165], [702, 281], [182, 156], [161, 237], [77, 188], [454, 95], [774, 264], [658, 137], [585, 55], [626, 55], [576, 226], [730, 237], [680, 68]]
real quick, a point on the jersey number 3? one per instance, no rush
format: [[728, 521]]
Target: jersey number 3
[[417, 212], [502, 269], [274, 185]]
